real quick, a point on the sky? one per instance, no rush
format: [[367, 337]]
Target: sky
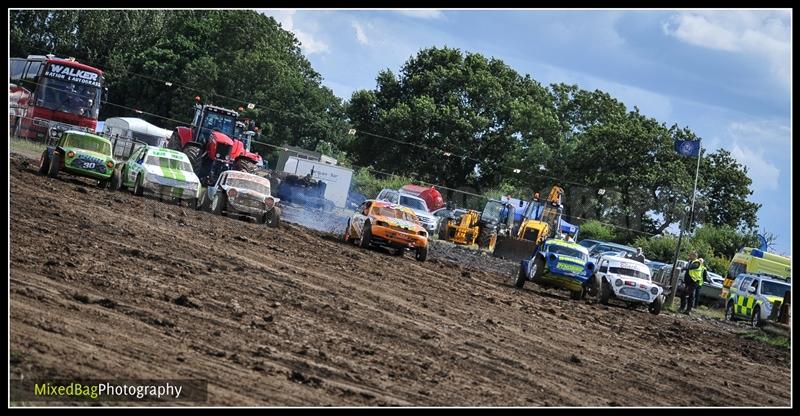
[[725, 74]]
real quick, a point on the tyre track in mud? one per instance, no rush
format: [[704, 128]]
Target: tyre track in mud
[[291, 316]]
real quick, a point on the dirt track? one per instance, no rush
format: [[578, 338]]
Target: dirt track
[[108, 285]]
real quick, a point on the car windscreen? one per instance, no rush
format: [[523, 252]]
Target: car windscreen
[[393, 213], [565, 251], [629, 272], [587, 243], [168, 163], [247, 184], [769, 288], [413, 203], [87, 143]]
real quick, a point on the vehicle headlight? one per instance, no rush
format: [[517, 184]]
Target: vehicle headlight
[[618, 282], [654, 290]]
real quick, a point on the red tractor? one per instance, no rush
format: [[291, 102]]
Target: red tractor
[[211, 143]]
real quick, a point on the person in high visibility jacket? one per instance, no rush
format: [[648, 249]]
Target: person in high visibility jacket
[[691, 280]]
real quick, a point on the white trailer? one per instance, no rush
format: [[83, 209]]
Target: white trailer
[[337, 179]]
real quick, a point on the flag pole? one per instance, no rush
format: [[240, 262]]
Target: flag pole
[[694, 191], [674, 277]]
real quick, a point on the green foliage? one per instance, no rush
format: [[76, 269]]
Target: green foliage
[[660, 248], [234, 53], [594, 230], [369, 185]]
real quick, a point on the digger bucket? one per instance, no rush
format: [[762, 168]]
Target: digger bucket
[[513, 249]]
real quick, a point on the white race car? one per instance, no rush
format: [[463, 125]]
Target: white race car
[[629, 281], [162, 172], [242, 194]]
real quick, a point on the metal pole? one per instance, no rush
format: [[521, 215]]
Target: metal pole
[[694, 191], [673, 283]]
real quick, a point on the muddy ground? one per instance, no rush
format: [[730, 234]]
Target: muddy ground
[[108, 285]]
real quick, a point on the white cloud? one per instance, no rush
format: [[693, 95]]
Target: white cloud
[[360, 35], [764, 34], [763, 131], [308, 43], [421, 13], [763, 173]]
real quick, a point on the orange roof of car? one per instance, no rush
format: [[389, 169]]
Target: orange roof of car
[[387, 204]]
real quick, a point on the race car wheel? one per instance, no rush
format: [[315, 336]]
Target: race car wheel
[[577, 295], [519, 281], [44, 163], [55, 165], [422, 254], [116, 180], [656, 305], [366, 235], [729, 312], [202, 202], [193, 203], [605, 293], [399, 252], [346, 236], [537, 268], [219, 203], [273, 217], [595, 285], [103, 183], [138, 187], [755, 320]]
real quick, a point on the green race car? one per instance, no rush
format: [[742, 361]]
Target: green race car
[[81, 154]]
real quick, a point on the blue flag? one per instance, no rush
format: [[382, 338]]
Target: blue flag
[[687, 147]]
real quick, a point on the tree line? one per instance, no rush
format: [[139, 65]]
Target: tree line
[[475, 123]]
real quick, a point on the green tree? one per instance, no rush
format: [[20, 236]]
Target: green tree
[[459, 103]]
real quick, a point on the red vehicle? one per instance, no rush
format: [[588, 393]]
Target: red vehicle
[[212, 144], [431, 196], [46, 91]]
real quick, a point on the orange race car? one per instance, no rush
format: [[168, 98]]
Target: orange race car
[[382, 223]]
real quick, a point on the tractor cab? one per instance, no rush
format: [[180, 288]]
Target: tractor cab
[[209, 118]]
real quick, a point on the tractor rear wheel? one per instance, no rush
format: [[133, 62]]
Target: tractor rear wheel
[[245, 165], [193, 153]]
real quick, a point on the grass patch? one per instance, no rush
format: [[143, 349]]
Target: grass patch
[[26, 147], [761, 336]]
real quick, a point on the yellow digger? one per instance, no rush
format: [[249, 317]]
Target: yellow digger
[[539, 222], [463, 229]]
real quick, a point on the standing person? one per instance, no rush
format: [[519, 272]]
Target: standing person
[[700, 283], [688, 283], [639, 256]]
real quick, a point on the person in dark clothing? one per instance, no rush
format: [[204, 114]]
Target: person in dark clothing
[[639, 256]]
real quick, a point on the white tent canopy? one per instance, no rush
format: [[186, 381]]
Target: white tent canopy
[[136, 128]]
